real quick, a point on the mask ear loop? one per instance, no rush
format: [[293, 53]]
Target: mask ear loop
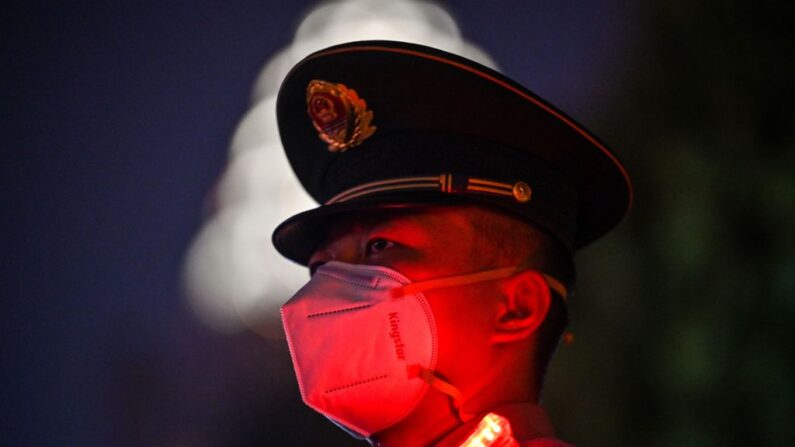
[[471, 278], [444, 387]]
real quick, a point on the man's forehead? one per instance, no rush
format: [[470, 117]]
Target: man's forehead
[[421, 218]]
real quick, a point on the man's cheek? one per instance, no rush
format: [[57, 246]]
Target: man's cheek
[[461, 322]]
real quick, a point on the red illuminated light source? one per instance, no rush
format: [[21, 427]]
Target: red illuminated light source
[[492, 431]]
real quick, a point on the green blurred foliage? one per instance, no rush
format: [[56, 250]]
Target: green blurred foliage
[[684, 316]]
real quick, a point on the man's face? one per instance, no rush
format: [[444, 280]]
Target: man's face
[[424, 243]]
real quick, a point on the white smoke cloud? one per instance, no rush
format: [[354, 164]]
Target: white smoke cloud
[[233, 275]]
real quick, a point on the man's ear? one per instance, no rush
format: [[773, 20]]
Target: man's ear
[[526, 300]]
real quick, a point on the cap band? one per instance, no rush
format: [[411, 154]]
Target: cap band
[[446, 183]]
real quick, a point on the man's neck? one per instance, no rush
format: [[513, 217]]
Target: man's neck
[[433, 419], [436, 417], [527, 421]]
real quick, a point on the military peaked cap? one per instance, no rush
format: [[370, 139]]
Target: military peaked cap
[[377, 124]]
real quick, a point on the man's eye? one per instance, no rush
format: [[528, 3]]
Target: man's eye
[[313, 268], [378, 245]]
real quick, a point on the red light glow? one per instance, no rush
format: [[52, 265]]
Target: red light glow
[[492, 431]]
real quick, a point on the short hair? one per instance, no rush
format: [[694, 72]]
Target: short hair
[[513, 240]]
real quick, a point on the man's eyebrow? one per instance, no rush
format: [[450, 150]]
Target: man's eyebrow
[[404, 226], [393, 225]]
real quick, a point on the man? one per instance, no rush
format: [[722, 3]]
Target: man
[[452, 202]]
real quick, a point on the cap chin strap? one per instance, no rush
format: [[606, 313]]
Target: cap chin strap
[[470, 278], [444, 387]]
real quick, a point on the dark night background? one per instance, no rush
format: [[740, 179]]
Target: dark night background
[[115, 124]]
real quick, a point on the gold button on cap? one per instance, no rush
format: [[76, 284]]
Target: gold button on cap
[[522, 192]]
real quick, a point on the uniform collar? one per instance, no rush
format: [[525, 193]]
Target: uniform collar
[[528, 421]]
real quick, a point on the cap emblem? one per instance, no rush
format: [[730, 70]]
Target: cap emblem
[[340, 117]]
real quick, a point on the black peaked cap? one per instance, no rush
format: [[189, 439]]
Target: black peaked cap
[[377, 124]]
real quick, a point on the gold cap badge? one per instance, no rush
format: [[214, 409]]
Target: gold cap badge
[[339, 115]]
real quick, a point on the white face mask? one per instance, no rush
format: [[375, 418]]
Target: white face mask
[[364, 344]]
